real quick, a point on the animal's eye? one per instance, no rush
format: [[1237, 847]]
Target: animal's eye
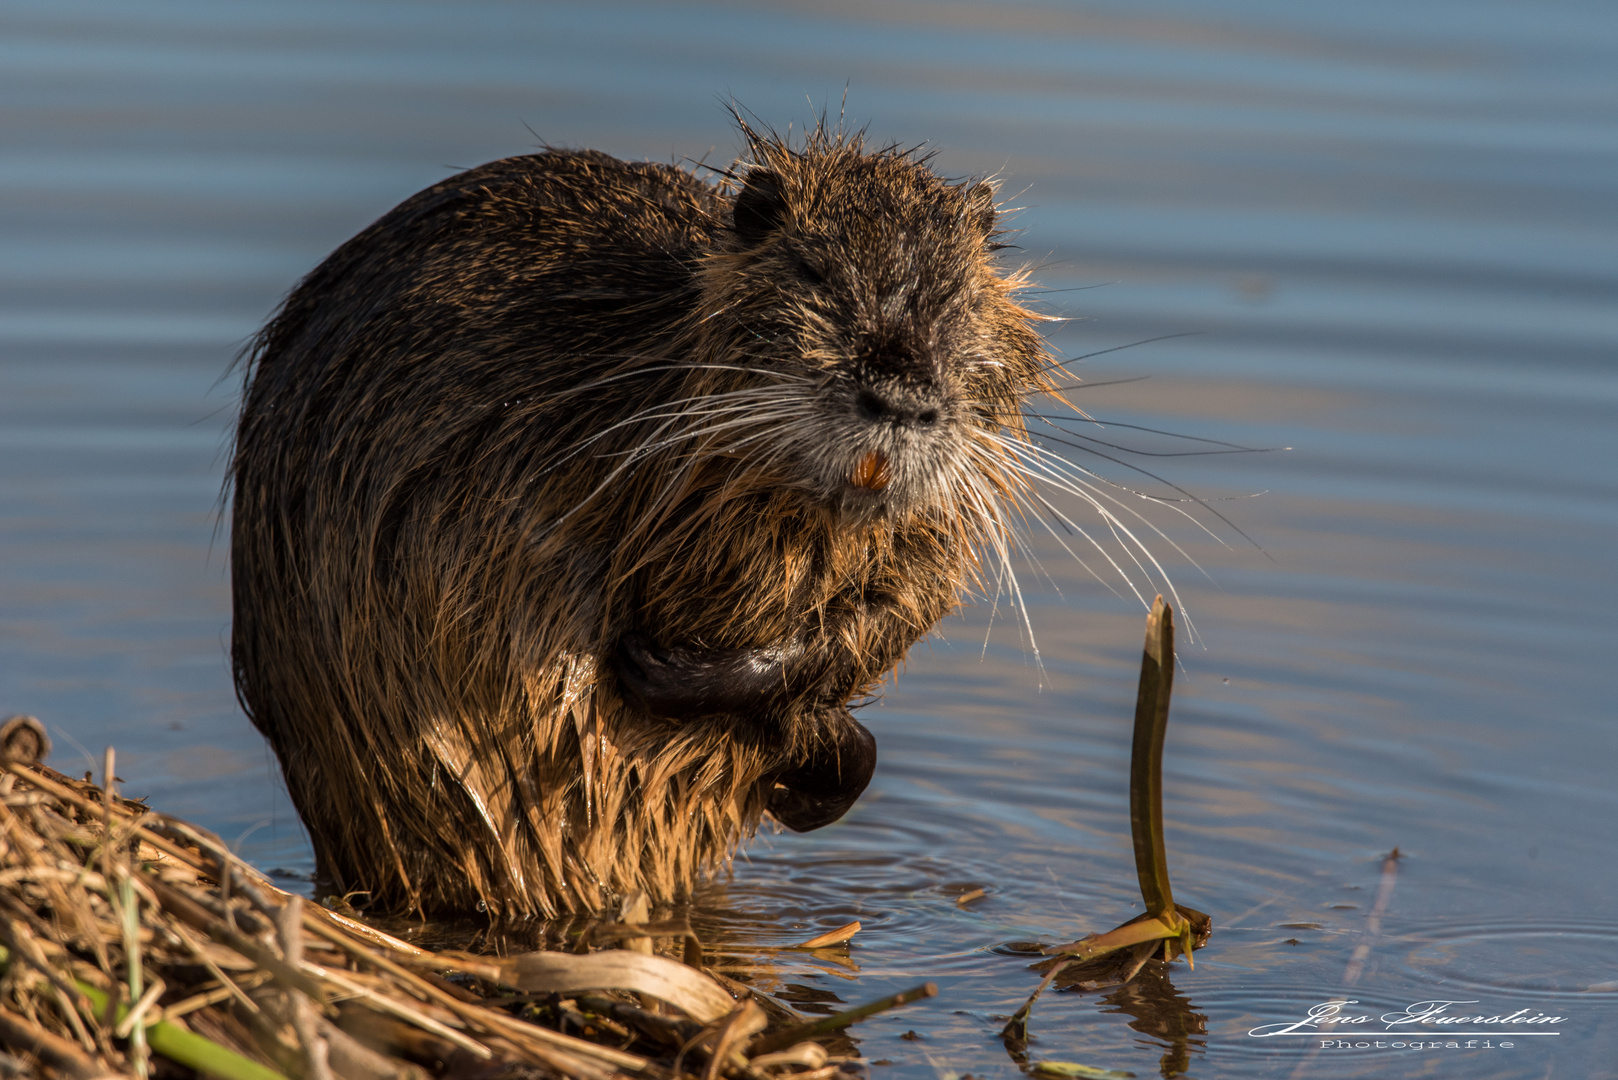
[[810, 274]]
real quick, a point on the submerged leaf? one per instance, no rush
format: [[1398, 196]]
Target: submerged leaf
[[1071, 1069]]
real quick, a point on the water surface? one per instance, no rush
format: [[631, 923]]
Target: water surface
[[1393, 231]]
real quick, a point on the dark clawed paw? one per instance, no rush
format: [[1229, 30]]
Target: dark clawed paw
[[818, 791], [641, 656]]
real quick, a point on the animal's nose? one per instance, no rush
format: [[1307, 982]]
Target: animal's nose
[[901, 406]]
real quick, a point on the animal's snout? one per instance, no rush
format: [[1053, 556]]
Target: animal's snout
[[900, 405]]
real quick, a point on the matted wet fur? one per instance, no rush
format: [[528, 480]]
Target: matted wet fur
[[575, 499]]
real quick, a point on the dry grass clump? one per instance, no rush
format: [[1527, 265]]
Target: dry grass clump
[[134, 944]]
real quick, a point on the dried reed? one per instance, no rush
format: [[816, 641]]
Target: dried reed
[[135, 945]]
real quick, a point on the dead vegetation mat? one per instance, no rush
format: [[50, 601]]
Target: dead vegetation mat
[[134, 944]]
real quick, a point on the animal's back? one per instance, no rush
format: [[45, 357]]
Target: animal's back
[[449, 332]]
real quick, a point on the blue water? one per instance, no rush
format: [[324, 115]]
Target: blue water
[[1392, 230]]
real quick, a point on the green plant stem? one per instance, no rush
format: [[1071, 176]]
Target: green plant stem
[[1146, 764], [187, 1047]]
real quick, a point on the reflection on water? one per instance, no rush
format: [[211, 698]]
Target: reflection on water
[[1391, 228], [1163, 1013]]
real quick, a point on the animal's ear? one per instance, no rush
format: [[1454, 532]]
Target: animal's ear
[[980, 208], [760, 208]]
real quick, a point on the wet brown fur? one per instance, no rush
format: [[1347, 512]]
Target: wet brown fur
[[479, 444]]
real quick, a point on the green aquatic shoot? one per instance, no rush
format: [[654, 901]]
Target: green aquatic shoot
[[186, 1047], [1146, 783], [1179, 929]]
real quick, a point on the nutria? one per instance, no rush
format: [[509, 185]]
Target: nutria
[[576, 499]]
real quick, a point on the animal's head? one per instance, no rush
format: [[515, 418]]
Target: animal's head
[[886, 357]]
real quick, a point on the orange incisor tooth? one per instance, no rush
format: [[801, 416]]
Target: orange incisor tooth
[[872, 472]]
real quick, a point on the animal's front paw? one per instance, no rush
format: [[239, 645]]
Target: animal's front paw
[[679, 682], [648, 676]]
